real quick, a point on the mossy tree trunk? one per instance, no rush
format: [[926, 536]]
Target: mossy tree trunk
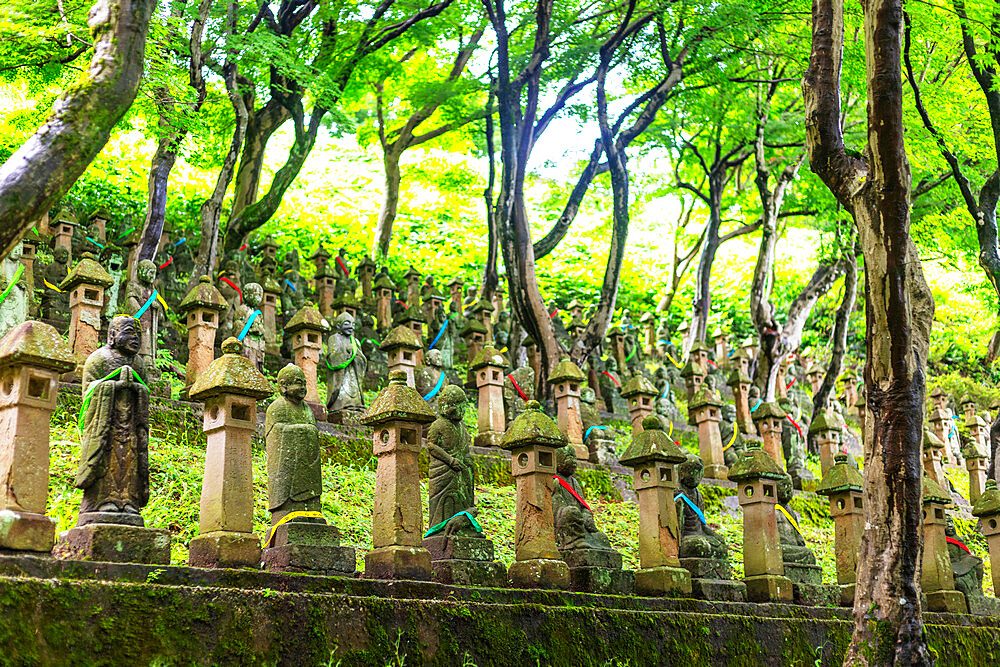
[[875, 188], [43, 169]]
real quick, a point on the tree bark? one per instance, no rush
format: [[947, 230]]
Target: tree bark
[[841, 325], [260, 126], [43, 169], [875, 189], [390, 203]]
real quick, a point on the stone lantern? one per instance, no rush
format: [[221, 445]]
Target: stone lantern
[[397, 417], [780, 385], [641, 395], [269, 313], [850, 384], [699, 352], [346, 303], [498, 295], [933, 453], [968, 406], [401, 348], [567, 382], [474, 335], [693, 375], [941, 423], [455, 288], [756, 476], [62, 230], [937, 580], [432, 303], [532, 440], [270, 249], [32, 357], [769, 419], [740, 360], [862, 407], [827, 431], [99, 219], [721, 346], [384, 289], [531, 352], [648, 322], [365, 271], [412, 279], [230, 388], [653, 458], [325, 279], [976, 459], [617, 339], [414, 321], [739, 382], [706, 407], [488, 368], [86, 284], [483, 311], [306, 329], [576, 328], [815, 375], [843, 484], [201, 308], [29, 246], [987, 509]]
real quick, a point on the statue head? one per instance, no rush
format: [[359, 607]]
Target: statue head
[[342, 252], [344, 324], [691, 471], [292, 259], [253, 294], [60, 255], [753, 394], [16, 252], [949, 527], [146, 272], [433, 358], [232, 268], [452, 402], [292, 383], [588, 396], [125, 335], [566, 461], [785, 489], [610, 364]]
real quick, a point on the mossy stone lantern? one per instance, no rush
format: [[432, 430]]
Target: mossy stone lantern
[[937, 580], [532, 440], [641, 395], [653, 458], [987, 509], [769, 419], [827, 431], [567, 382], [843, 485]]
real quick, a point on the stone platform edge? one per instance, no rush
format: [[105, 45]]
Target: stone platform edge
[[63, 612]]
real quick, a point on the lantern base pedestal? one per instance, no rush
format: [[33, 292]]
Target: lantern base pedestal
[[398, 562], [768, 588], [710, 580], [598, 571], [946, 601], [309, 547], [224, 548], [115, 543], [465, 561], [980, 605], [716, 471], [665, 580], [539, 573], [488, 439], [26, 531], [846, 595]]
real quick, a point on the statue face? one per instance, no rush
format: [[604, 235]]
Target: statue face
[[434, 358], [293, 387], [566, 464], [16, 252], [252, 295], [611, 364], [60, 255], [345, 324], [125, 335], [146, 272], [691, 472], [452, 403], [784, 489]]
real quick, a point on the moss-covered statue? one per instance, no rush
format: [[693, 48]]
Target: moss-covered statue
[[966, 567], [140, 295], [293, 287], [451, 473], [518, 389], [697, 539], [610, 384], [294, 474], [793, 442], [574, 520], [345, 364], [250, 319], [793, 545], [114, 427], [14, 289], [430, 379], [55, 302]]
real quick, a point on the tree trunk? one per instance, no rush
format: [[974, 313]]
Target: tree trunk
[[899, 308], [43, 169], [160, 167], [260, 126], [702, 305], [841, 326], [390, 203]]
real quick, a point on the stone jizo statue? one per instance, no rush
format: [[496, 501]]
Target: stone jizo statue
[[793, 545], [13, 291], [346, 364], [451, 474], [114, 426], [698, 540], [574, 520], [140, 298]]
